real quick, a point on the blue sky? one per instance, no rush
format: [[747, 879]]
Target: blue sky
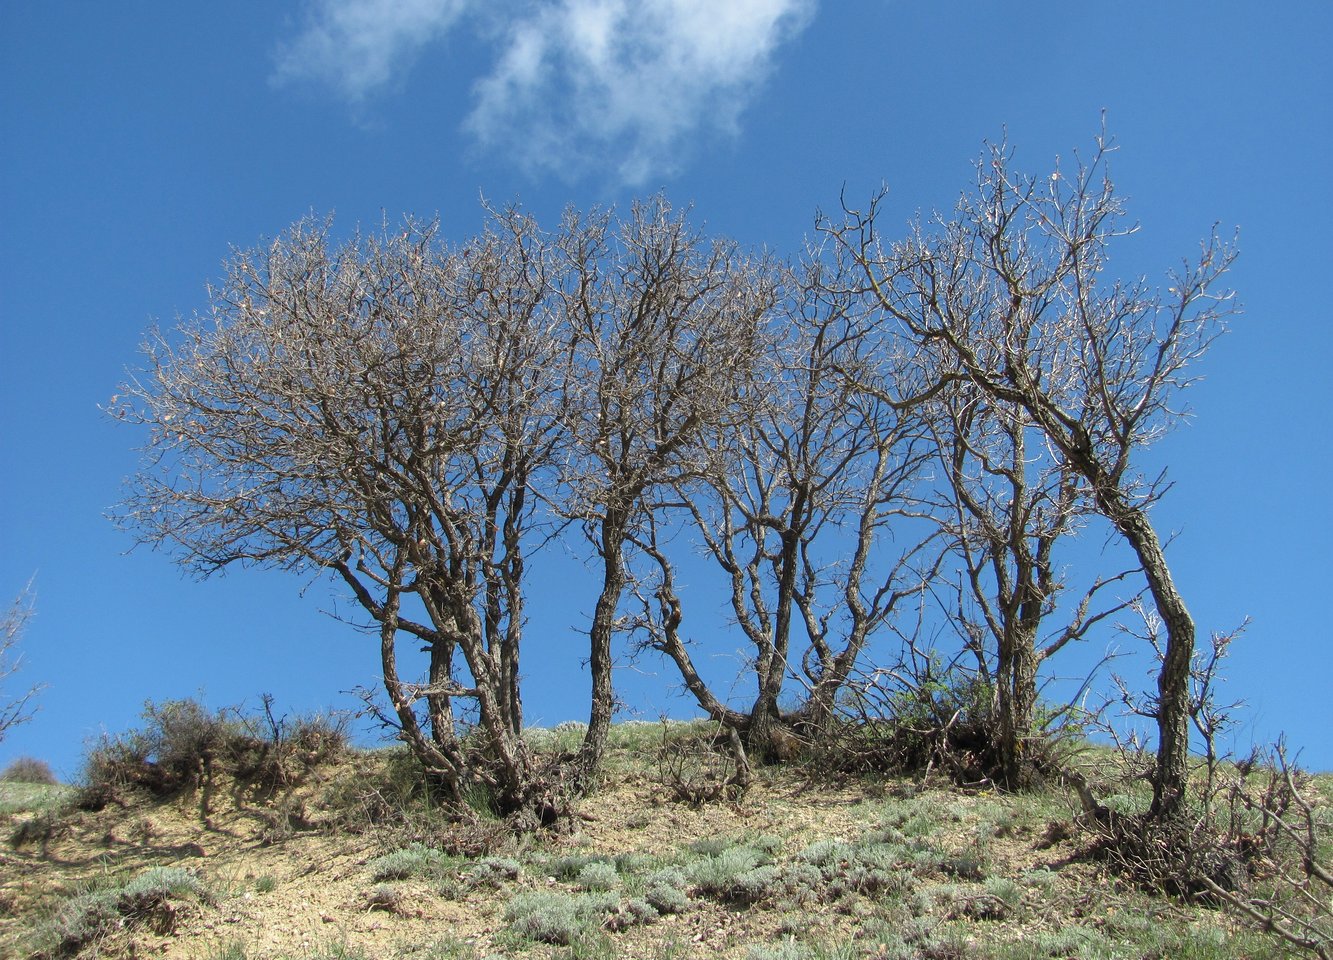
[[139, 142]]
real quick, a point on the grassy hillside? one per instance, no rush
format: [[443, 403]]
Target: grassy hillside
[[348, 861]]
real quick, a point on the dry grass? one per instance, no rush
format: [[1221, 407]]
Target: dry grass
[[791, 870]]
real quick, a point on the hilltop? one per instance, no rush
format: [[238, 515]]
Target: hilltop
[[348, 861]]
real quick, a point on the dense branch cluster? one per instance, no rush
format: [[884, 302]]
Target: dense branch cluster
[[882, 441]]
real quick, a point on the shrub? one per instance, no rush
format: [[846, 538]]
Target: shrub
[[631, 913], [29, 770], [557, 918], [568, 866], [414, 861], [494, 871], [162, 883], [144, 900], [936, 719], [181, 743], [665, 891], [598, 876], [737, 875]]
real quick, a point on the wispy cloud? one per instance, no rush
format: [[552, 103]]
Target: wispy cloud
[[359, 46], [575, 85]]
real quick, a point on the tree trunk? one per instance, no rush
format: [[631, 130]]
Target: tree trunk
[[600, 637], [765, 718], [1173, 695], [441, 676], [441, 760], [1015, 700]]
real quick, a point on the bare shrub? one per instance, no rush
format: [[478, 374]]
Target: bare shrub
[[704, 769], [29, 770], [1257, 837], [919, 719], [182, 745]]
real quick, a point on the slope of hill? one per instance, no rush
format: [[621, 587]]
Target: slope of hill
[[347, 864]]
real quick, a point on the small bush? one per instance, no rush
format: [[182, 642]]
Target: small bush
[[598, 876], [494, 871], [166, 882], [413, 861], [940, 721], [29, 770], [145, 900], [568, 866], [665, 891], [557, 918], [737, 875], [181, 743], [631, 913]]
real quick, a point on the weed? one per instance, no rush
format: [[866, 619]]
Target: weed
[[233, 950], [631, 913], [448, 948], [665, 891], [738, 875], [181, 745]]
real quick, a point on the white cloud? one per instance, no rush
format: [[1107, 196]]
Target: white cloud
[[633, 83], [359, 46], [575, 85]]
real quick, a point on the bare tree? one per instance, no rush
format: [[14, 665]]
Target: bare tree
[[664, 325], [1006, 502], [15, 708], [1011, 292], [379, 410], [800, 496]]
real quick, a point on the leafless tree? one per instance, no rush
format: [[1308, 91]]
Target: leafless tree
[[664, 326], [798, 503], [15, 708], [1011, 293], [380, 410], [1005, 503]]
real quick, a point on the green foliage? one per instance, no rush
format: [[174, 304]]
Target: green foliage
[[447, 948], [38, 798], [493, 871], [227, 951], [739, 874], [934, 717], [791, 950], [162, 883]]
